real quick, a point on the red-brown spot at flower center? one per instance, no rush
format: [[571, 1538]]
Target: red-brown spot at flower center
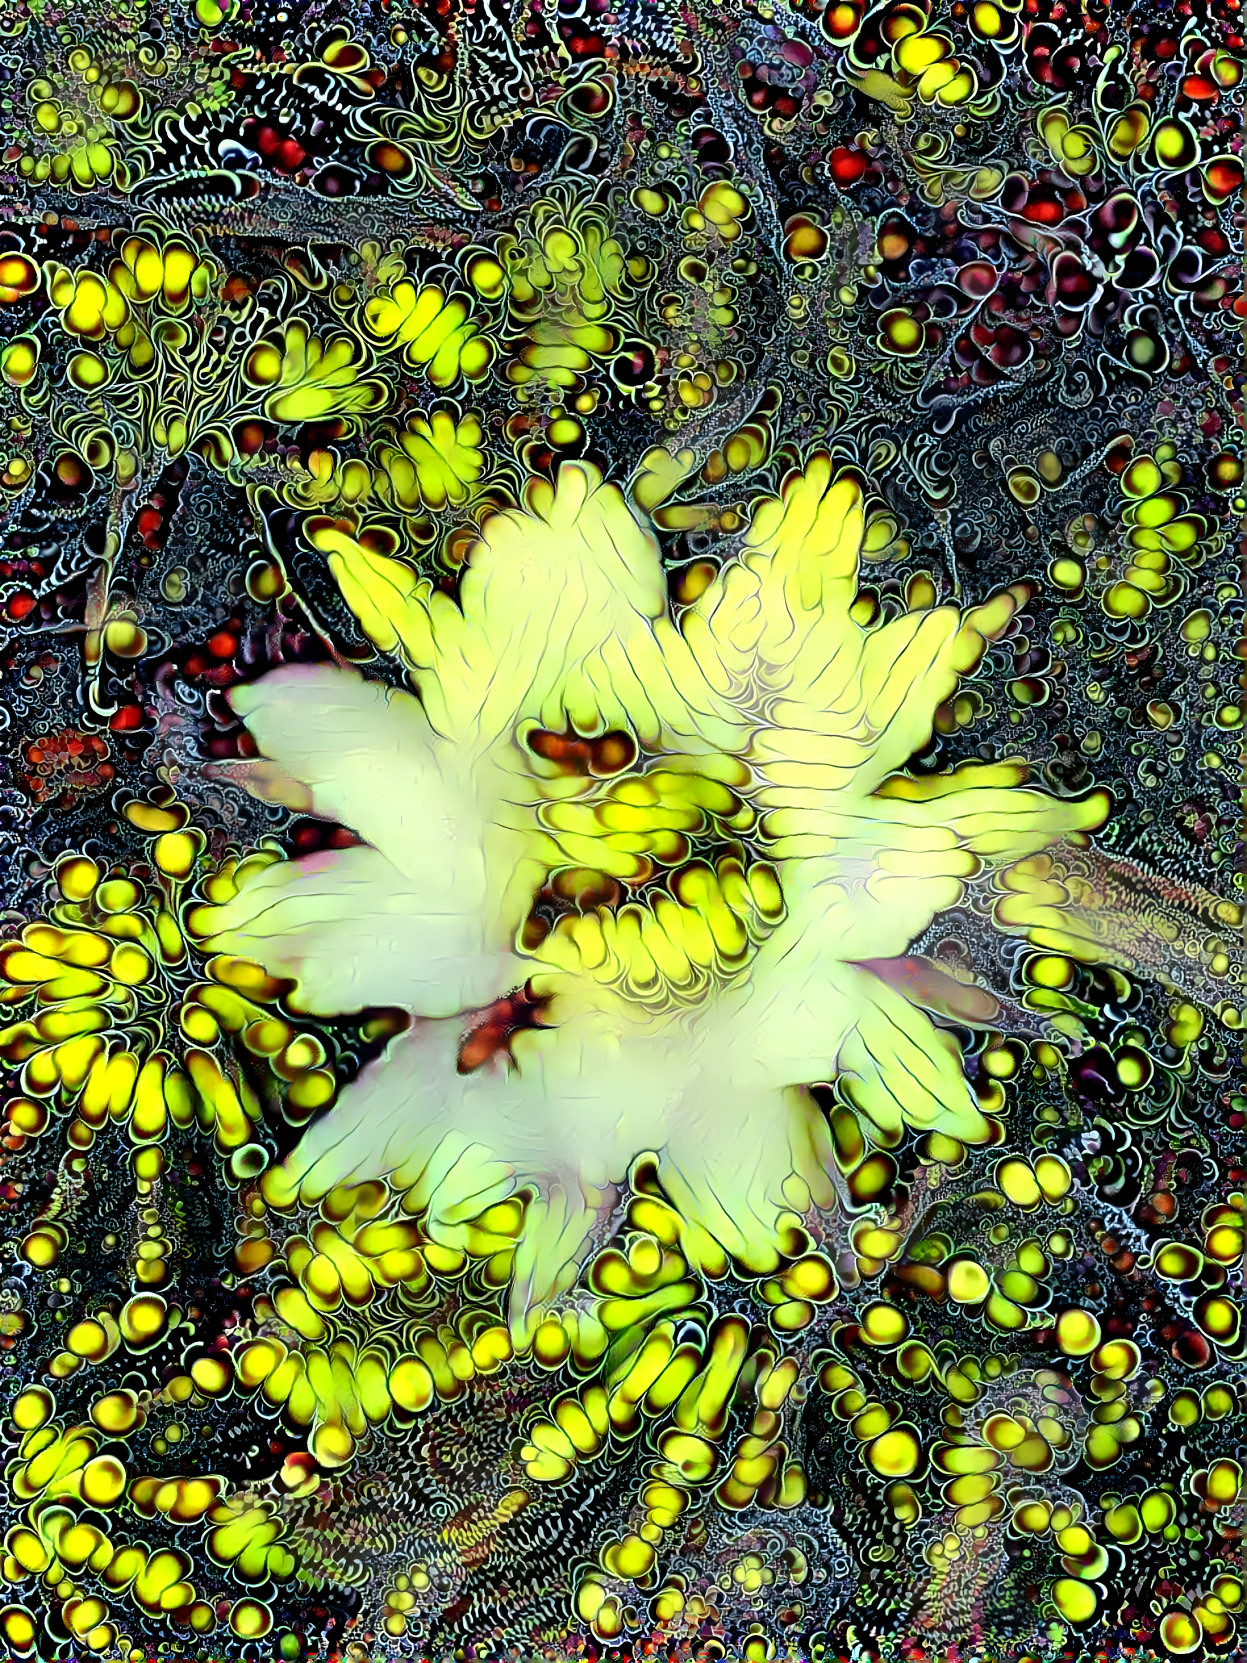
[[492, 1029], [608, 754]]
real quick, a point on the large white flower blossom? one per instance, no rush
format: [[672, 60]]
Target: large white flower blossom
[[566, 735]]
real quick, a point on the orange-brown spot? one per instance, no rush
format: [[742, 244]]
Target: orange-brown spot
[[492, 1029], [609, 754]]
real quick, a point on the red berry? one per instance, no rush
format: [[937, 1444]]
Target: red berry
[[847, 166]]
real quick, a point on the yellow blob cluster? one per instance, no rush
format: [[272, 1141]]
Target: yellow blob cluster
[[1158, 526], [135, 307], [312, 378], [693, 1389], [436, 332], [667, 947], [923, 58], [59, 1471], [73, 115], [121, 1024]]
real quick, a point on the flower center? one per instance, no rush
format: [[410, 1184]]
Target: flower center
[[491, 1030]]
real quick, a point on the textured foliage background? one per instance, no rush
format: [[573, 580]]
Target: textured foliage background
[[283, 281]]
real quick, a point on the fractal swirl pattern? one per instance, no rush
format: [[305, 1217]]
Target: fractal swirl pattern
[[621, 627]]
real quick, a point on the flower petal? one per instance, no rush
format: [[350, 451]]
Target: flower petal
[[982, 805], [557, 1225], [561, 1122], [351, 931], [776, 628], [579, 1103], [925, 983], [781, 610], [867, 875], [562, 617], [899, 1069], [369, 759], [458, 828], [728, 1159], [805, 550], [394, 1118], [782, 1022]]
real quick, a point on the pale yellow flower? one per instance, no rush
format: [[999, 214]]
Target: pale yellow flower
[[766, 726]]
